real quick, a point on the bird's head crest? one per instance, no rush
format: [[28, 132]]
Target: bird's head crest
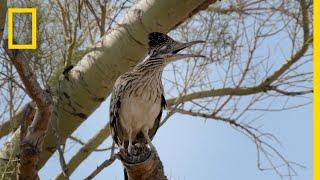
[[158, 43], [163, 46]]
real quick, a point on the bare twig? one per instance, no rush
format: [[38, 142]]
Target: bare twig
[[63, 163], [102, 166]]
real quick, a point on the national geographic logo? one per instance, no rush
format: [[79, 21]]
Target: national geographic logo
[[33, 12]]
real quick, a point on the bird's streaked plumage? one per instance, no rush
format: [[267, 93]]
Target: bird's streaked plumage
[[137, 99]]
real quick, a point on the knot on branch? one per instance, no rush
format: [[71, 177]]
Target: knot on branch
[[143, 164], [29, 149], [266, 88], [140, 153]]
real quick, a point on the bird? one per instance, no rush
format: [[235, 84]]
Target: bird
[[137, 99]]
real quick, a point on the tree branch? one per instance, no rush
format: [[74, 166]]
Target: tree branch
[[105, 164], [262, 87], [31, 143], [15, 122], [143, 164], [259, 138], [86, 150], [77, 140]]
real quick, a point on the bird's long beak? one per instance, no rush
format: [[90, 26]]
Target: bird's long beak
[[179, 47]]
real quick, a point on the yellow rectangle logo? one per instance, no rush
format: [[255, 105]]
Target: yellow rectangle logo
[[33, 44]]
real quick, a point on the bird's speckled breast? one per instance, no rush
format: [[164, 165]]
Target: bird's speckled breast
[[138, 112], [141, 105]]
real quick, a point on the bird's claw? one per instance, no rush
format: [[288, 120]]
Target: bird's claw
[[130, 149], [134, 149], [152, 147]]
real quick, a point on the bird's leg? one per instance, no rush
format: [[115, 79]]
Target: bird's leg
[[145, 133], [112, 149], [130, 146], [121, 147]]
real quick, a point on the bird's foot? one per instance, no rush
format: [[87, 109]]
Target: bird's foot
[[130, 149], [139, 145], [146, 136], [135, 149], [152, 147]]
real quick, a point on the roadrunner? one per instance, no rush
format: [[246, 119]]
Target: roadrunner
[[137, 99]]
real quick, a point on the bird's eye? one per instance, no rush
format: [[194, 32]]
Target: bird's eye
[[151, 52], [163, 48]]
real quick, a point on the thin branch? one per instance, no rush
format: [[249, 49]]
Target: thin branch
[[63, 163], [79, 141], [262, 87], [105, 164], [295, 93], [254, 134], [86, 150]]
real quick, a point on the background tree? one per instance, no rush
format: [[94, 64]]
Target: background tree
[[259, 61]]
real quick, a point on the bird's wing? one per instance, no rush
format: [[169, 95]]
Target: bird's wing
[[115, 103], [152, 132]]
